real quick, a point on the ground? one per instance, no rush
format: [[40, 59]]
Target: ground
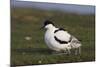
[[27, 43]]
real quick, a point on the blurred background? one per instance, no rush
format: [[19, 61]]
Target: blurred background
[[86, 9], [27, 43]]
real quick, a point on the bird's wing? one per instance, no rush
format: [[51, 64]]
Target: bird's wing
[[62, 35], [75, 43], [75, 40]]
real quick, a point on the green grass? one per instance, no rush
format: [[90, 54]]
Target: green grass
[[27, 22]]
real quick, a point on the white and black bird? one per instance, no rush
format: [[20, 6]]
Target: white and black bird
[[58, 39]]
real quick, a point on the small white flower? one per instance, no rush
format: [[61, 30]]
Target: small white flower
[[28, 38], [39, 61]]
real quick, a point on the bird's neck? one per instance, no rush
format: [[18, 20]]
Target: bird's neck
[[53, 28]]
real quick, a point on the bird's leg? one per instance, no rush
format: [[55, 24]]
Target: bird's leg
[[69, 52], [76, 51], [65, 51], [79, 50]]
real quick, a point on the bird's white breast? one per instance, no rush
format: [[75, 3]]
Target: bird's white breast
[[49, 38]]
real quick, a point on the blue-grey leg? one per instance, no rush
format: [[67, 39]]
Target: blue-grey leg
[[76, 51], [80, 50], [69, 52]]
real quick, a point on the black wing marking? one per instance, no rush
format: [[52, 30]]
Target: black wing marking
[[59, 30], [62, 42]]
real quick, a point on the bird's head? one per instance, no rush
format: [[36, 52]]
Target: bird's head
[[48, 24]]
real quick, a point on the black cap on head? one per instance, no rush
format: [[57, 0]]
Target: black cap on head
[[48, 22]]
